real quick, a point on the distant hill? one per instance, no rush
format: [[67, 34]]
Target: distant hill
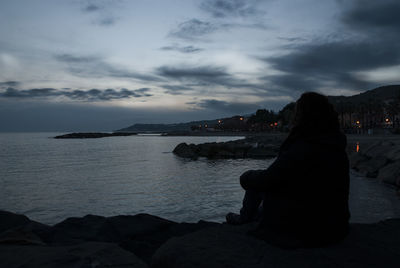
[[379, 94], [166, 127]]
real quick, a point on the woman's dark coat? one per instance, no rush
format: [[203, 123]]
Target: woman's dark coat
[[306, 188]]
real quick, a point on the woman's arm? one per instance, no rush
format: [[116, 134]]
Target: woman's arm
[[281, 172]]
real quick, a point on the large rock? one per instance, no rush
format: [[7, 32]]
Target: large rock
[[89, 254], [390, 174], [246, 148], [373, 245], [10, 220], [93, 135], [377, 158], [186, 151], [140, 234]]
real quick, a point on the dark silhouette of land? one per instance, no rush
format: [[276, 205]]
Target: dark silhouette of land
[[93, 135]]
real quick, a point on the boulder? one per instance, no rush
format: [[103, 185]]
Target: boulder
[[10, 220], [246, 148], [390, 174], [370, 168], [368, 245], [140, 234], [89, 254], [186, 151]]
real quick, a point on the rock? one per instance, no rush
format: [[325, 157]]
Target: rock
[[232, 149], [370, 168], [20, 237], [140, 234], [378, 159], [368, 245], [390, 174], [186, 151], [93, 135], [261, 152], [10, 220], [89, 254]]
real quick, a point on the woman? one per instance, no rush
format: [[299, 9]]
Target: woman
[[304, 193]]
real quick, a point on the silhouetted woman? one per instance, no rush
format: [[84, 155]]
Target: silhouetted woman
[[304, 192]]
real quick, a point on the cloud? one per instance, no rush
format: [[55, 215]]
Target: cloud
[[91, 8], [9, 84], [185, 49], [101, 11], [231, 8], [372, 43], [95, 66], [200, 76], [82, 95], [373, 15], [193, 29], [177, 89], [193, 78], [107, 21], [224, 106]]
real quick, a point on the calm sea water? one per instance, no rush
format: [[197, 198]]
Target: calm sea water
[[50, 180]]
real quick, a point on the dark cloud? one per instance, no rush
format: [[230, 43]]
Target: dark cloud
[[185, 49], [95, 66], [82, 95], [193, 29], [101, 11], [77, 59], [196, 73], [224, 106], [334, 64], [231, 8], [203, 76], [374, 15], [91, 8], [177, 89], [199, 76], [9, 84], [107, 21]]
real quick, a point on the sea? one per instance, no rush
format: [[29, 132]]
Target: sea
[[50, 180]]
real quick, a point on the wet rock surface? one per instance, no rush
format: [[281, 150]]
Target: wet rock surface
[[144, 240]]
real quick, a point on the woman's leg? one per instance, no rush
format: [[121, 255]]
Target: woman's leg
[[250, 210]]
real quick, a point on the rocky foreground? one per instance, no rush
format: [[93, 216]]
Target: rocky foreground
[[149, 241]]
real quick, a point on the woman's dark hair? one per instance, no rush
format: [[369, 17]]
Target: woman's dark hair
[[314, 113]]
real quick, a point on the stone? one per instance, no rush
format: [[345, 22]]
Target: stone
[[232, 149], [390, 174], [93, 135], [88, 254], [10, 220], [140, 234], [184, 150], [370, 168], [368, 245]]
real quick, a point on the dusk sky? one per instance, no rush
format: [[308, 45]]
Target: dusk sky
[[80, 65]]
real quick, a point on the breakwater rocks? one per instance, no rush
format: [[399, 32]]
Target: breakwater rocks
[[377, 159], [148, 241], [93, 135], [253, 147]]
